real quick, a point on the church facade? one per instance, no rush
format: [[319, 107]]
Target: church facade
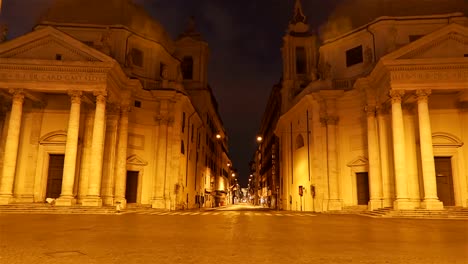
[[103, 108], [376, 116]]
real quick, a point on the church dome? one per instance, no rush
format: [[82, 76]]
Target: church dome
[[351, 14], [106, 13]]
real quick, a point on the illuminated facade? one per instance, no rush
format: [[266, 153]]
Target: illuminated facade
[[375, 116], [101, 107]]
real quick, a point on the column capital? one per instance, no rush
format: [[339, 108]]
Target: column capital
[[125, 109], [75, 96], [113, 109], [18, 94], [329, 120], [396, 95], [423, 94], [382, 109], [371, 110], [100, 97]]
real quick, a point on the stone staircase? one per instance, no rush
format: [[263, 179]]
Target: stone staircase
[[446, 213], [45, 208]]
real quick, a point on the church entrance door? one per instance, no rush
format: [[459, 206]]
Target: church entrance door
[[54, 176], [443, 166], [131, 187], [362, 184]]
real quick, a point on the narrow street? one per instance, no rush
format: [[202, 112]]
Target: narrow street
[[241, 233]]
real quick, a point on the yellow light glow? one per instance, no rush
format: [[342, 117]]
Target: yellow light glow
[[218, 136], [259, 139]]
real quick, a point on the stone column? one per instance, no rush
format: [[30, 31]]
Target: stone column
[[375, 178], [93, 197], [402, 201], [71, 149], [431, 200], [159, 190], [387, 182], [11, 147], [121, 168], [110, 154], [334, 202]]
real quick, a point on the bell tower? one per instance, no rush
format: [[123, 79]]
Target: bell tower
[[299, 55], [193, 52]]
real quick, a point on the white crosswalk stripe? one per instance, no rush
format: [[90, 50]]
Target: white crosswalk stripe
[[221, 213]]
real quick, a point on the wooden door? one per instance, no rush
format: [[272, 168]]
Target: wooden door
[[444, 180], [131, 190], [54, 175], [362, 186]]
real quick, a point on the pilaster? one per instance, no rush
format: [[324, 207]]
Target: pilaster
[[375, 178], [110, 153], [385, 158], [121, 168]]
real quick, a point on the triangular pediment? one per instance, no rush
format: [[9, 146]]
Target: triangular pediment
[[50, 44], [450, 41], [136, 160], [359, 161]]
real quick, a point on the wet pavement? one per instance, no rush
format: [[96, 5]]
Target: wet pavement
[[239, 234]]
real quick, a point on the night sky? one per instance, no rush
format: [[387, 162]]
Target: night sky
[[244, 36]]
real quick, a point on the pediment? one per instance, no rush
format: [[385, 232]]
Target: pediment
[[56, 138], [49, 43], [359, 161], [442, 139], [136, 160], [448, 42]]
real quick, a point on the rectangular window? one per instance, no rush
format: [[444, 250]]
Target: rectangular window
[[58, 56], [161, 69], [187, 68], [301, 66], [183, 122], [354, 56], [137, 104], [191, 135], [137, 57]]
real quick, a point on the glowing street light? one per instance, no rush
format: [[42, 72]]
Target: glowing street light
[[259, 139], [218, 136], [233, 175]]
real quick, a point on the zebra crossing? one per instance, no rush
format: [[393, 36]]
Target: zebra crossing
[[221, 213]]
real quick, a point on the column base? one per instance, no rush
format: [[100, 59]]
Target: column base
[[92, 201], [387, 202], [24, 198], [432, 205], [334, 205], [108, 200], [158, 203], [374, 204], [121, 201], [65, 201], [6, 199], [403, 204]]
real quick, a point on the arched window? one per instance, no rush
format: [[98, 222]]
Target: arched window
[[299, 141], [187, 68]]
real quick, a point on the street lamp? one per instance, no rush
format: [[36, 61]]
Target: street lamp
[[218, 136], [259, 139]]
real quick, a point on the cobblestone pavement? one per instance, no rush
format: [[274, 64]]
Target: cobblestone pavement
[[230, 236]]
